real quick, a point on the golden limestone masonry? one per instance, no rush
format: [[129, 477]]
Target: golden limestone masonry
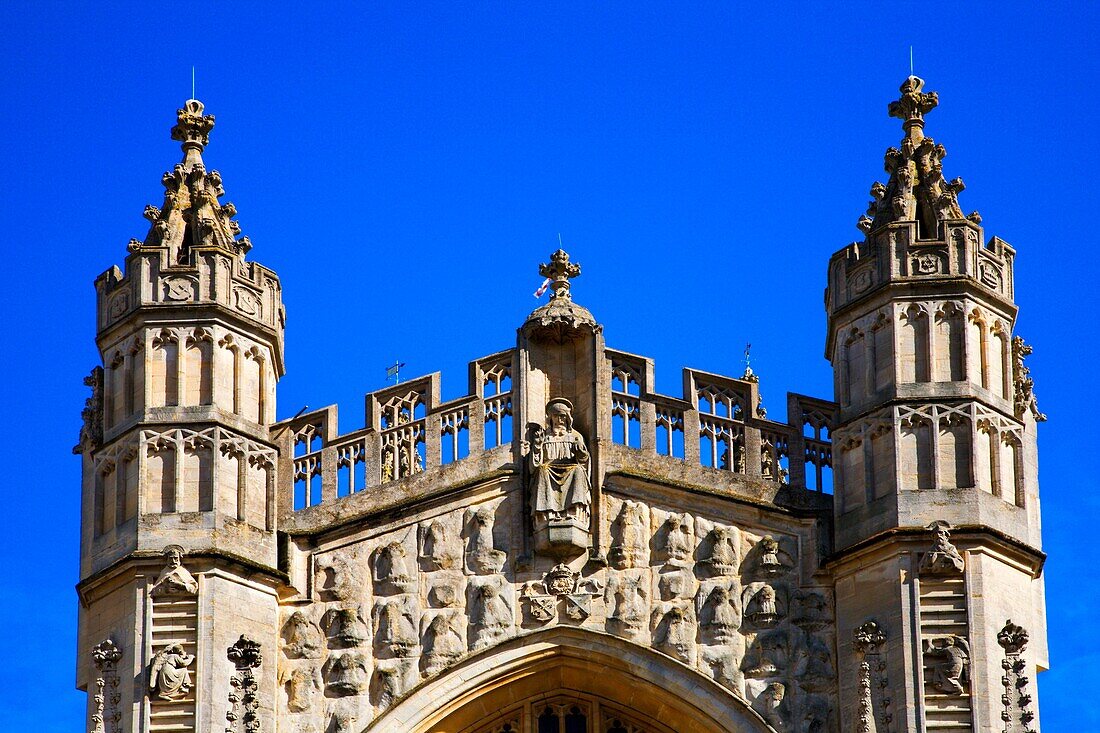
[[563, 550]]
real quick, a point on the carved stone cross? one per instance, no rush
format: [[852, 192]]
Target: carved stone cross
[[913, 104], [560, 270]]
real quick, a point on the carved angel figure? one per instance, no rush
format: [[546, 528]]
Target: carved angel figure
[[169, 678], [948, 658], [559, 466]]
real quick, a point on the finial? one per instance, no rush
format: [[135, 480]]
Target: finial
[[192, 127], [913, 105], [560, 271]]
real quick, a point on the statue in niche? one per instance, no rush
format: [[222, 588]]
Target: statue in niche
[[764, 609], [437, 551], [346, 674], [443, 642], [948, 661], [629, 602], [394, 628], [560, 476], [174, 579], [721, 615], [169, 676], [482, 556], [490, 614], [679, 544], [302, 688], [943, 558], [391, 570], [723, 551], [767, 656], [345, 627], [675, 631], [630, 535], [301, 637]]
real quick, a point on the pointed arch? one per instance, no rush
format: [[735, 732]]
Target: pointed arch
[[561, 659]]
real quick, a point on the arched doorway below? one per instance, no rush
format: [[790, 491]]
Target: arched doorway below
[[572, 712]]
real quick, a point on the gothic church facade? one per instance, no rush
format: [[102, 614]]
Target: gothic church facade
[[563, 549]]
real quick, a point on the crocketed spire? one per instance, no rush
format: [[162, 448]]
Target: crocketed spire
[[192, 218], [916, 189]]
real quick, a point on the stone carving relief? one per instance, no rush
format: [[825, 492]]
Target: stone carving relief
[[244, 705], [391, 570], [767, 655], [764, 607], [482, 557], [561, 587], [346, 673], [490, 610], [772, 707], [91, 430], [1018, 712], [345, 627], [301, 638], [248, 302], [630, 537], [677, 540], [943, 558], [170, 674], [990, 275], [302, 687], [560, 482], [811, 610], [815, 670], [444, 638], [720, 553], [628, 599], [179, 287], [720, 614], [174, 579], [674, 630], [438, 550], [338, 578], [106, 716], [392, 678], [395, 627], [768, 559], [947, 663]]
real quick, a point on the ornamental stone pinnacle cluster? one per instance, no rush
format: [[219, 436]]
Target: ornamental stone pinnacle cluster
[[563, 547]]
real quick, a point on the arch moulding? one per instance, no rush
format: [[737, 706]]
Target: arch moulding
[[562, 660]]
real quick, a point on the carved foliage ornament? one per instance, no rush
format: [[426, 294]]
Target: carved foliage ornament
[[243, 715], [1018, 713], [107, 716]]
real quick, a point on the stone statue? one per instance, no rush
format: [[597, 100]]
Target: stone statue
[[175, 579], [948, 661], [559, 465], [169, 678], [943, 558]]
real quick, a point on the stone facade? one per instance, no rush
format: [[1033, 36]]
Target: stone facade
[[563, 548]]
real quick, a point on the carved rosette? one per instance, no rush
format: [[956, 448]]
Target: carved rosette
[[243, 703], [1018, 713]]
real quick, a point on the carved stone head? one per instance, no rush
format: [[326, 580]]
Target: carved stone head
[[559, 415]]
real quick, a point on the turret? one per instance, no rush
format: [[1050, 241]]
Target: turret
[[176, 449], [936, 429]]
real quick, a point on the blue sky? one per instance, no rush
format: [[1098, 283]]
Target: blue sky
[[405, 168]]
